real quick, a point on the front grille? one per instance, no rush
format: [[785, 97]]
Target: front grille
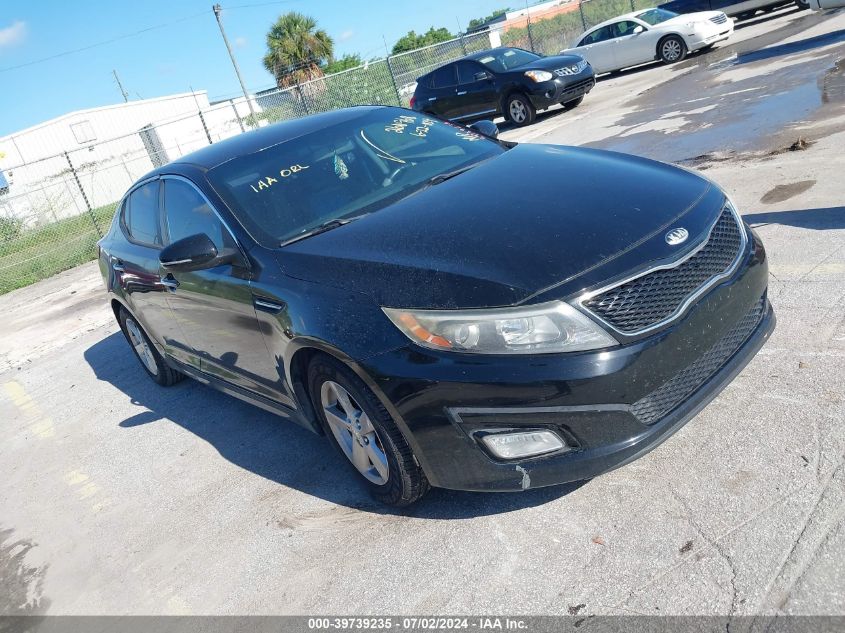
[[719, 19], [578, 86], [654, 297], [675, 391], [574, 69]]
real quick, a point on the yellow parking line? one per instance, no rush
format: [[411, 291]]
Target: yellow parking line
[[43, 426]]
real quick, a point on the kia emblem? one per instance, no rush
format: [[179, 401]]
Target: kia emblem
[[677, 236]]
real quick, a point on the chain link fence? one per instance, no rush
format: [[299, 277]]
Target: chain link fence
[[55, 207]]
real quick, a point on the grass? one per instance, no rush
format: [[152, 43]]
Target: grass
[[39, 253]]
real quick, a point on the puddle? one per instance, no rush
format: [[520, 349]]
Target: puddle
[[738, 99]]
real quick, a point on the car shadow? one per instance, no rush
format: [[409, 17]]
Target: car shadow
[[275, 448], [766, 17], [816, 219]]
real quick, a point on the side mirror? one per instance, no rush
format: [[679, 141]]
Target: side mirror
[[195, 252], [481, 76], [487, 128], [638, 29]]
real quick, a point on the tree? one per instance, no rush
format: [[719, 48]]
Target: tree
[[411, 40], [296, 49], [477, 22], [344, 63]]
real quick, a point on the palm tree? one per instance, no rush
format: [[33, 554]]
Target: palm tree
[[296, 49]]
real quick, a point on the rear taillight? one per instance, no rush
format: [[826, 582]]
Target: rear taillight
[[413, 101]]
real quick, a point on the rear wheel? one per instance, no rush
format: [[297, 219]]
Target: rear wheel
[[146, 353], [802, 4], [574, 103], [519, 110], [364, 432], [672, 49]]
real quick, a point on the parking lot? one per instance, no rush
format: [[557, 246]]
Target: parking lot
[[121, 497]]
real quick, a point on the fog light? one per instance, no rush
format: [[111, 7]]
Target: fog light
[[522, 444]]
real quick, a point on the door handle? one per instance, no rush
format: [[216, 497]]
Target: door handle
[[117, 266], [463, 92], [266, 305], [432, 98], [170, 282]]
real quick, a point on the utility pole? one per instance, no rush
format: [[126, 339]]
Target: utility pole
[[217, 8], [120, 85]]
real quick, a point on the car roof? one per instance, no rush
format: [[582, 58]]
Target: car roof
[[624, 16], [479, 54], [256, 140], [472, 57]]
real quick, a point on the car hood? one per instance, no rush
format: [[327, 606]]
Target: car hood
[[550, 63], [502, 232]]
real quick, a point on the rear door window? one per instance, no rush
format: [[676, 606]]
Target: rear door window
[[141, 215], [443, 77]]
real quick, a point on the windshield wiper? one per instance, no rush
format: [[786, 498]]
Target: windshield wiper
[[436, 180], [328, 225]]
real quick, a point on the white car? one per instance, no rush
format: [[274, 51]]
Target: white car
[[649, 35]]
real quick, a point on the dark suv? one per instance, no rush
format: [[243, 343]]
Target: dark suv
[[510, 82]]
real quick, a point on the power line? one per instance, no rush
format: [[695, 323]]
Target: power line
[[261, 4], [102, 43]]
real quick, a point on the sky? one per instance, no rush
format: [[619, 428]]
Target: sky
[[175, 45]]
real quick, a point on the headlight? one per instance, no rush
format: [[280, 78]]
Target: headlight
[[538, 75], [543, 328]]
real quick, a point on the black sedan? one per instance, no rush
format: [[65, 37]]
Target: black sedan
[[510, 82], [450, 310]]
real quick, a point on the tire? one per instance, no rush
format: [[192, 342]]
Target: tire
[[802, 4], [519, 110], [672, 49], [574, 103], [363, 431], [146, 353]]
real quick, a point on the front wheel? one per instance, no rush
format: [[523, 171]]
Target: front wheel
[[574, 103], [802, 4], [520, 111], [364, 432], [672, 49]]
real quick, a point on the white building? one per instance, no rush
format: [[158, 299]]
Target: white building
[[103, 150]]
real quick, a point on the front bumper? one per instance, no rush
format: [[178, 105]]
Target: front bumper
[[601, 403], [562, 89], [710, 35]]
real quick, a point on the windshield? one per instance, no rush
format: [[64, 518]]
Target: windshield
[[656, 16], [343, 171], [503, 59]]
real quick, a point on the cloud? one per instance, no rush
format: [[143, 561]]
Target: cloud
[[346, 35], [12, 35], [240, 42]]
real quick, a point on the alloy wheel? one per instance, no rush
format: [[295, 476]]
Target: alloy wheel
[[517, 111], [671, 50], [354, 432], [139, 344]]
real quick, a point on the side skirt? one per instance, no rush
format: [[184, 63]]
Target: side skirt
[[242, 394]]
